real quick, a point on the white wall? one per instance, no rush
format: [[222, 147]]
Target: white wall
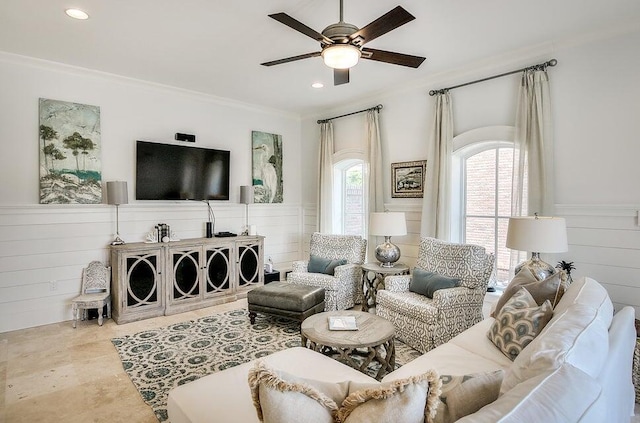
[[46, 246], [595, 90]]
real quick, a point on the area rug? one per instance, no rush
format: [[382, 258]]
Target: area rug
[[158, 360]]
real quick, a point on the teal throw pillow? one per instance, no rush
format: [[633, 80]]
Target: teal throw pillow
[[323, 265], [426, 283]]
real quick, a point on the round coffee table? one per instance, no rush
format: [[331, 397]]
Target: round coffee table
[[373, 340]]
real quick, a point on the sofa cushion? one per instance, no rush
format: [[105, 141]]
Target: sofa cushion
[[405, 400], [280, 397], [565, 394], [319, 264], [552, 288], [588, 292], [463, 395], [575, 336], [518, 323], [476, 342], [426, 283]]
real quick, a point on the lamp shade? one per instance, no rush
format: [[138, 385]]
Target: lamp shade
[[246, 194], [340, 56], [387, 224], [117, 193], [537, 234]]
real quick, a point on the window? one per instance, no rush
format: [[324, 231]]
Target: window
[[482, 194], [349, 197]]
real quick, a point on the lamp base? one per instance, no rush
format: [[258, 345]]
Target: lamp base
[[387, 253], [540, 269]]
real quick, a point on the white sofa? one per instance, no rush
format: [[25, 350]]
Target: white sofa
[[577, 370]]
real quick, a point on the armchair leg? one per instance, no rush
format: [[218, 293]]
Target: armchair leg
[[100, 318], [74, 312]]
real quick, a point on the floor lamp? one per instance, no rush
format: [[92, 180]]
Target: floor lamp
[[116, 195], [246, 198]]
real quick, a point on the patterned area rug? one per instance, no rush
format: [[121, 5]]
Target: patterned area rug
[[158, 360]]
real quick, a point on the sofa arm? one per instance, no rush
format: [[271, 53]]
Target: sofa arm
[[397, 283], [458, 309], [300, 266]]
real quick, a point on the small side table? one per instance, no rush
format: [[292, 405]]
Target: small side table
[[273, 276], [373, 279]]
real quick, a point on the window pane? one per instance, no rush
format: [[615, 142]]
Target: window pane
[[505, 170], [480, 171], [354, 201], [480, 231], [503, 256]]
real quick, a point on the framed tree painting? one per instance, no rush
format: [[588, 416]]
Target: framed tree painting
[[407, 179], [267, 167], [70, 146]]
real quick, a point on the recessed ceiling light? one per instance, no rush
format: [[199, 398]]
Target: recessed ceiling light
[[77, 14], [317, 85]]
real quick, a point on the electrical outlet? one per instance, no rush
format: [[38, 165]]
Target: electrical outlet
[[53, 285]]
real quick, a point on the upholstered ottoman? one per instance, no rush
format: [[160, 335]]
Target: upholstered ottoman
[[285, 299]]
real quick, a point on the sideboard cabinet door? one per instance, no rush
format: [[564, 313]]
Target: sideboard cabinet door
[[249, 265], [218, 270]]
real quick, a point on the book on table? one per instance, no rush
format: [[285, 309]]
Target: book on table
[[342, 323]]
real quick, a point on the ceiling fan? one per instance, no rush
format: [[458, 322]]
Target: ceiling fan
[[343, 43]]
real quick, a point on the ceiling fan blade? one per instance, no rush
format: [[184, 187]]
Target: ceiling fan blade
[[385, 23], [340, 76], [300, 27], [292, 59], [393, 58]]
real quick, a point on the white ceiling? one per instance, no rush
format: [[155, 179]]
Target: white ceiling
[[216, 47]]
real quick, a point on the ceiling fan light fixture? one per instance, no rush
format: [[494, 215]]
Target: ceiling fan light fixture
[[341, 56]]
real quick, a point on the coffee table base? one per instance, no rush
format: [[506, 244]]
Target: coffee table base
[[387, 360]]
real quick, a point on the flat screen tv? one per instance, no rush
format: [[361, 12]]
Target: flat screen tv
[[176, 172]]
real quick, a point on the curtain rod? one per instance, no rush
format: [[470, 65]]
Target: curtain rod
[[539, 66], [378, 107]]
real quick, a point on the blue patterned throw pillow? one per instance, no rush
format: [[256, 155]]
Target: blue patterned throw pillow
[[519, 321]]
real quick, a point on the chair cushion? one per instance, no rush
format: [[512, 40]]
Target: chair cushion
[[418, 307], [426, 283], [324, 265], [518, 323]]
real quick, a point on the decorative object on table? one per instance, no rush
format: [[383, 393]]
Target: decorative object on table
[[407, 179], [267, 167], [117, 195], [538, 234], [387, 224], [95, 292], [373, 280], [246, 198], [567, 266], [70, 165], [211, 223], [342, 323], [164, 233]]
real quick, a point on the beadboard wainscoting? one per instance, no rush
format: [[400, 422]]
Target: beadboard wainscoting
[[43, 248], [604, 243]]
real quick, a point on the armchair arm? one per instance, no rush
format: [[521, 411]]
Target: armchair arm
[[300, 266], [397, 283], [350, 275], [458, 309]]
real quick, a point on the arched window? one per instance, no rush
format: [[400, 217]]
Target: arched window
[[349, 197], [482, 174]]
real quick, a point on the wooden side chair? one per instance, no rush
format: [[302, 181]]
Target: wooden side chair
[[95, 293]]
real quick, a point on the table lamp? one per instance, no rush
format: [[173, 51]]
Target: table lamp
[[246, 198], [537, 234], [116, 195], [387, 224]]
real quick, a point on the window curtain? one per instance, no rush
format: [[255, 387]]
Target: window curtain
[[436, 198], [325, 178], [375, 202], [533, 174], [533, 148]]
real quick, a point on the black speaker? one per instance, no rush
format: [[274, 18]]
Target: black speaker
[[185, 137]]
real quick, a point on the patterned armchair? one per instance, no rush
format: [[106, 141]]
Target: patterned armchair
[[343, 289], [425, 323]]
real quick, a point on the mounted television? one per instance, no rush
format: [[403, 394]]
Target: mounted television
[[176, 172]]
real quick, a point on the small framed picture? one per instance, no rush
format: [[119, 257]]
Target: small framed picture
[[407, 179]]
